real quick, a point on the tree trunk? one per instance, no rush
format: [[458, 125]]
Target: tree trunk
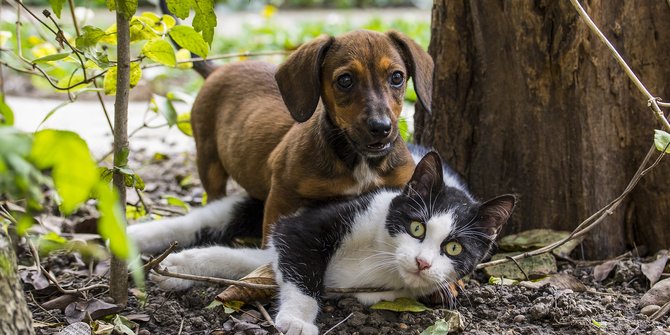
[[15, 318], [527, 100], [118, 285]]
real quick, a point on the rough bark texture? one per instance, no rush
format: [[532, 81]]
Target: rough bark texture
[[118, 284], [15, 318], [527, 100]]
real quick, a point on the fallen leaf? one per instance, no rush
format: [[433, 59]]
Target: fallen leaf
[[34, 278], [535, 267], [93, 308], [262, 275], [538, 238], [138, 317], [560, 281], [654, 270], [502, 281], [659, 294], [76, 328], [123, 325], [400, 305], [59, 302], [602, 271], [39, 324], [440, 327]]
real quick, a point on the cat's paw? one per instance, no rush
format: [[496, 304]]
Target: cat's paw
[[177, 263], [290, 325]]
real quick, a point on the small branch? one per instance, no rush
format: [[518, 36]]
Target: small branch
[[519, 266], [72, 291], [651, 100], [225, 56], [661, 312], [266, 315], [153, 262], [74, 17], [339, 323], [214, 280]]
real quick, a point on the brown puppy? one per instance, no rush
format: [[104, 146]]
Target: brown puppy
[[345, 93]]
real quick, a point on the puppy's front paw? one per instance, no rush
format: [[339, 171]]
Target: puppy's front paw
[[177, 263], [291, 325]]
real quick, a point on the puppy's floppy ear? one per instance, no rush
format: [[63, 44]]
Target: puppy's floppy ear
[[299, 78], [420, 66], [427, 179]]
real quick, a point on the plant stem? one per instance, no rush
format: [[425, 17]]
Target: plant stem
[[119, 269]]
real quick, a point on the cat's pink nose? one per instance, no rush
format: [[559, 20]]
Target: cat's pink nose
[[422, 264]]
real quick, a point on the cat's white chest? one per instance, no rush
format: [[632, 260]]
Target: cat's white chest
[[365, 178]]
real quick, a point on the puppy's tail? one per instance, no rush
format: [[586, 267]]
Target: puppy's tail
[[203, 67]]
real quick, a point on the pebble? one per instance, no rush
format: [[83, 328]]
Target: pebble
[[606, 300], [328, 309], [403, 326], [539, 311], [519, 318], [143, 332], [650, 309], [218, 332], [357, 319]]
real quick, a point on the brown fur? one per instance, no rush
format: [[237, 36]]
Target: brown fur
[[244, 121]]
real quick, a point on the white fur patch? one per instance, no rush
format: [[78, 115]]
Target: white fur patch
[[156, 236], [221, 262], [365, 177], [297, 311]]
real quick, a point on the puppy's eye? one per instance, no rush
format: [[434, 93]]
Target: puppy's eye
[[452, 248], [397, 79], [417, 229], [345, 81]]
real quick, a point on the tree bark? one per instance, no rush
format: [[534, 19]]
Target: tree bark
[[118, 269], [15, 318], [527, 100]]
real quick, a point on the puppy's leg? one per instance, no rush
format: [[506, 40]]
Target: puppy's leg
[[276, 205], [213, 176], [221, 262], [213, 219]]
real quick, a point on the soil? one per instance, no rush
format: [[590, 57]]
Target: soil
[[609, 307]]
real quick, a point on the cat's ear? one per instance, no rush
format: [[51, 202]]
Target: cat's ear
[[494, 213], [427, 178]]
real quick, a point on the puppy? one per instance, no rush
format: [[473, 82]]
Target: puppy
[[322, 125]]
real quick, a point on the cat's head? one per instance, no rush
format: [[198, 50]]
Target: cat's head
[[439, 233]]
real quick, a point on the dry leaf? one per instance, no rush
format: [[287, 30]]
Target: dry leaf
[[654, 270], [93, 308], [601, 271], [560, 281], [76, 328], [34, 278], [262, 275], [401, 305], [535, 267], [538, 238], [659, 294]]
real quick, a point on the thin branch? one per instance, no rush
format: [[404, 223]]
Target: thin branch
[[225, 56], [339, 323], [213, 280], [72, 291], [652, 101], [74, 17], [661, 312], [266, 315], [152, 263]]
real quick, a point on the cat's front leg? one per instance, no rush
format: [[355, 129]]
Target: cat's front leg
[[297, 311], [375, 297]]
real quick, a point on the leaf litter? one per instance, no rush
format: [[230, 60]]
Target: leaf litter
[[568, 300]]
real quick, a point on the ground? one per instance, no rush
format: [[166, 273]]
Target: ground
[[608, 307]]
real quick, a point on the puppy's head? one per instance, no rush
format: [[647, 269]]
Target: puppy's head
[[361, 78]]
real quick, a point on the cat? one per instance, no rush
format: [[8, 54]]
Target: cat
[[409, 241]]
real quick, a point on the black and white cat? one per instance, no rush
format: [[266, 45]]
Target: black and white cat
[[410, 242]]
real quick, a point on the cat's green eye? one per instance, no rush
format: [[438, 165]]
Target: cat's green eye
[[452, 248], [417, 229]]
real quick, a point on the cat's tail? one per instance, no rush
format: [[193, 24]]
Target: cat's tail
[[216, 223]]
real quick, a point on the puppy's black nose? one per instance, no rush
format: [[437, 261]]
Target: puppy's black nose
[[379, 127]]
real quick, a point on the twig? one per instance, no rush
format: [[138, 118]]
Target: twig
[[153, 262], [591, 222], [213, 280], [339, 323], [266, 315], [661, 312], [72, 291], [74, 17], [36, 257], [181, 327], [652, 101], [225, 56], [519, 266]]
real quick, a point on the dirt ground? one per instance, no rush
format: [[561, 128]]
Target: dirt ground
[[608, 307]]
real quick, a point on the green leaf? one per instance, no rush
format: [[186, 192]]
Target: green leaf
[[125, 7], [502, 281], [57, 6], [109, 81], [73, 169], [6, 113], [596, 323], [111, 224], [131, 179], [89, 37], [662, 141], [121, 159], [184, 124], [188, 38], [167, 109], [123, 326], [180, 8], [160, 51], [232, 306], [205, 19], [142, 28], [50, 58], [403, 128], [214, 304], [401, 305], [440, 327], [174, 201]]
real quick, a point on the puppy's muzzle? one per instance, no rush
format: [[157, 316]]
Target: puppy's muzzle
[[379, 128]]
